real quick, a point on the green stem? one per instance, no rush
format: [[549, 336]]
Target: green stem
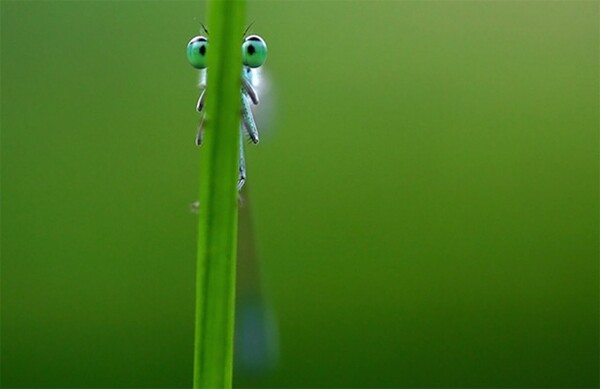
[[217, 232]]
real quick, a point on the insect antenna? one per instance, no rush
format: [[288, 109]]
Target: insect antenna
[[204, 28], [247, 29]]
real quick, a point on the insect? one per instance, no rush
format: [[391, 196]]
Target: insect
[[255, 329], [254, 54]]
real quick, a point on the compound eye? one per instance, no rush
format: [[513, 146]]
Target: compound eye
[[196, 52], [254, 51]]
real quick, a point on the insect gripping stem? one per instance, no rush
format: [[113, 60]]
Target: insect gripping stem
[[217, 232]]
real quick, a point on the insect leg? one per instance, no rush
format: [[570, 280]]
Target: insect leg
[[200, 103], [242, 163], [249, 89], [248, 120], [200, 132]]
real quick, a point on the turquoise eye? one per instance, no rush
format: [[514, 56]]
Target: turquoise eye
[[254, 51], [196, 52]]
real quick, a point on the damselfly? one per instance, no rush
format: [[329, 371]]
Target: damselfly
[[254, 54], [255, 329]]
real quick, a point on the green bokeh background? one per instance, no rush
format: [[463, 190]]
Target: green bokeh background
[[425, 193]]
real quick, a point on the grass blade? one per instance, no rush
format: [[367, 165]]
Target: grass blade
[[217, 232]]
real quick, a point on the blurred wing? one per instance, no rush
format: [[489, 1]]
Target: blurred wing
[[263, 112], [256, 338]]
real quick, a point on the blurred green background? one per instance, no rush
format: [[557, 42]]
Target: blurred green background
[[425, 193]]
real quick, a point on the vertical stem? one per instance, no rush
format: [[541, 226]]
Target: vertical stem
[[217, 232]]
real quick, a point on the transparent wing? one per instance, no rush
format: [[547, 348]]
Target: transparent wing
[[256, 338], [263, 112]]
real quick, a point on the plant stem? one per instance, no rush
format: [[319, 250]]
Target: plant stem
[[217, 231]]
